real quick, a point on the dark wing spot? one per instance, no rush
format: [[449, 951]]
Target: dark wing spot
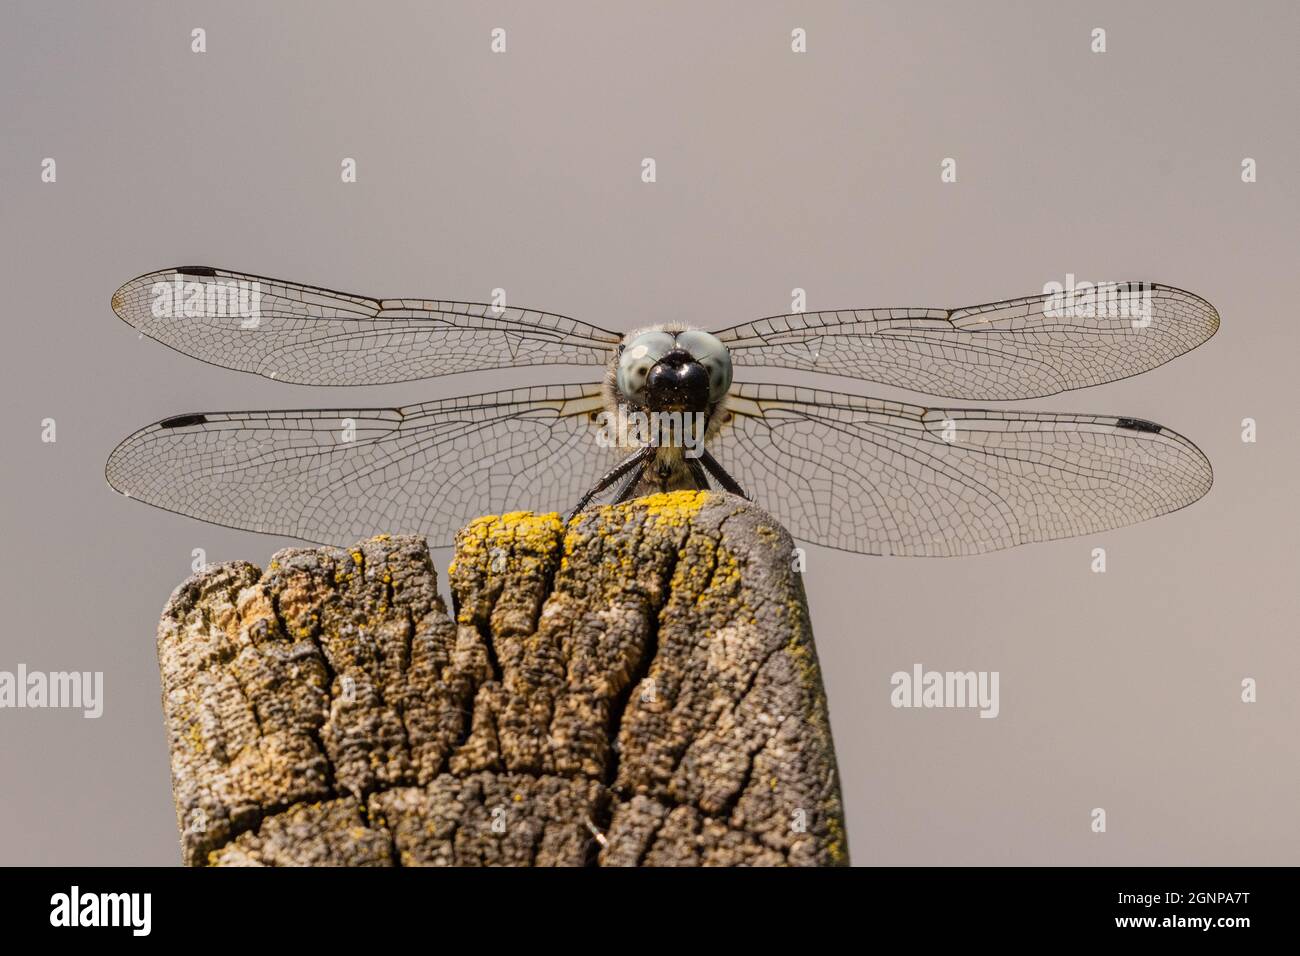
[[205, 272], [1136, 425], [180, 421]]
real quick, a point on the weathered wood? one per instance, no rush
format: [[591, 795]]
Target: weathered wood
[[641, 690]]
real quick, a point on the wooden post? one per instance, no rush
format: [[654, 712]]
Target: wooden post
[[639, 691]]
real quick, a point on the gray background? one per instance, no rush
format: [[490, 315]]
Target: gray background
[[775, 170]]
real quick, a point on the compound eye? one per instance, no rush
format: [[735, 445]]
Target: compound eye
[[637, 359], [709, 351]]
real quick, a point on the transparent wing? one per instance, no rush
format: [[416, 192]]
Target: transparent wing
[[425, 469], [310, 336], [879, 477], [1021, 348]]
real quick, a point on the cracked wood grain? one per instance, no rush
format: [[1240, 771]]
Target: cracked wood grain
[[639, 690]]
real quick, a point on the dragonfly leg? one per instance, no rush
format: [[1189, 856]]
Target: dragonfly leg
[[697, 474], [717, 471], [627, 487], [614, 474]]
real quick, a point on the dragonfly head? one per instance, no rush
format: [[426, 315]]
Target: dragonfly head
[[665, 370], [677, 383]]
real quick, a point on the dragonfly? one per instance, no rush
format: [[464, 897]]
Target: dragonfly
[[838, 469]]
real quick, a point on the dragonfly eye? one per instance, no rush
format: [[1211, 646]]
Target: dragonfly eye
[[637, 358], [709, 351]]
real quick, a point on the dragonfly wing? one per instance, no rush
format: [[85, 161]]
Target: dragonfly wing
[[335, 476], [1017, 349], [878, 477], [311, 336]]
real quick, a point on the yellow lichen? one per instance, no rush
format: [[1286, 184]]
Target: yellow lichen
[[835, 846], [674, 508], [528, 538], [805, 661], [531, 532]]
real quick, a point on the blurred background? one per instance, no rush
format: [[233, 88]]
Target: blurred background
[[775, 171]]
